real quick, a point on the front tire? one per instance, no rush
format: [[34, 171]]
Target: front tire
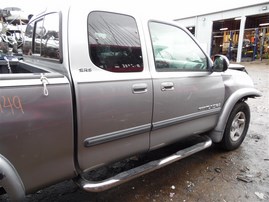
[[237, 127]]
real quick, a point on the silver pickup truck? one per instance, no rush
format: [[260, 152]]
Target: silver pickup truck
[[97, 85]]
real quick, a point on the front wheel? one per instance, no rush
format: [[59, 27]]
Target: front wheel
[[237, 127]]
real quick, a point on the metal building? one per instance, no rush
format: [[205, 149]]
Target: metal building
[[240, 33]]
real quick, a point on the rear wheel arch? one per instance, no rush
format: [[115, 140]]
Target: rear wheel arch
[[10, 180]]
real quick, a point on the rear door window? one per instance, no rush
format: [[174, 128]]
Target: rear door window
[[114, 42]]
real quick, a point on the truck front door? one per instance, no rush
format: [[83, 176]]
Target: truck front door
[[187, 95]]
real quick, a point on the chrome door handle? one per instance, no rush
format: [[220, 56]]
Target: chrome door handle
[[165, 86], [140, 88]]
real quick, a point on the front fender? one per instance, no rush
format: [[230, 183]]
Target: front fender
[[10, 180], [217, 133]]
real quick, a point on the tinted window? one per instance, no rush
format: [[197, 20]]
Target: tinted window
[[114, 42], [44, 33], [175, 50]]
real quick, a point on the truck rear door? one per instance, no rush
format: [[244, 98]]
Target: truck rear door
[[113, 87]]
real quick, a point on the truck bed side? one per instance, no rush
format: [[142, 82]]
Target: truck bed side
[[36, 125]]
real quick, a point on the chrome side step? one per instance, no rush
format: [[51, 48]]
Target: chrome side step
[[92, 186]]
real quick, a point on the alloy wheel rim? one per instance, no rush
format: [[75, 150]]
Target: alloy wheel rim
[[238, 126]]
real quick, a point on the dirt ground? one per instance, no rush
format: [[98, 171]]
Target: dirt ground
[[211, 175]]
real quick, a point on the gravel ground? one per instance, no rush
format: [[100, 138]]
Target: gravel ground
[[210, 175]]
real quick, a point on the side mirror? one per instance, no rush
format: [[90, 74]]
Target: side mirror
[[221, 63]]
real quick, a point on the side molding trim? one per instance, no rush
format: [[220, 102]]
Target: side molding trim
[[108, 137]]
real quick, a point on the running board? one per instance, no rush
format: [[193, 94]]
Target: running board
[[92, 186]]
